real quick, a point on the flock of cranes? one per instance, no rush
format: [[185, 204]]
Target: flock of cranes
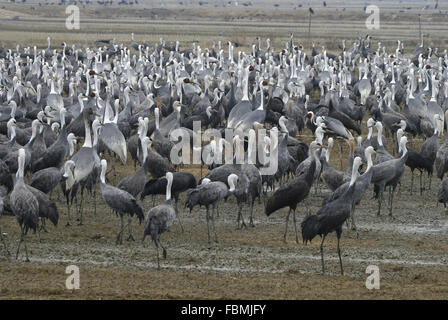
[[121, 101]]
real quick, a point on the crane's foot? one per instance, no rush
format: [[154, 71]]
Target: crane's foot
[[68, 224], [164, 253], [130, 238]]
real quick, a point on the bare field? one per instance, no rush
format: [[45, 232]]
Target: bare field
[[254, 263], [30, 24], [410, 249]]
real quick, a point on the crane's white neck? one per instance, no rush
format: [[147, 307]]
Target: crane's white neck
[[169, 183], [88, 138]]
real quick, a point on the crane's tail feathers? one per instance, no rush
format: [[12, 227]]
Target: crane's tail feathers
[[310, 227]]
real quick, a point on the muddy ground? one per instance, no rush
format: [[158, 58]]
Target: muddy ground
[[410, 249]]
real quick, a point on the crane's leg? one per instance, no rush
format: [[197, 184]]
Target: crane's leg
[[4, 242], [80, 208], [322, 254], [163, 248], [94, 202], [26, 248], [340, 154], [391, 201], [421, 187], [412, 181], [380, 199], [120, 234], [430, 179], [208, 225], [213, 224], [338, 234], [178, 215], [286, 226], [295, 225], [251, 219], [157, 251], [240, 217], [20, 242], [68, 214], [130, 238]]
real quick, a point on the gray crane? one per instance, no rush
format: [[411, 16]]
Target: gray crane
[[389, 174], [361, 185], [2, 195], [242, 190], [430, 147], [382, 154], [331, 217], [24, 204], [160, 218], [135, 183], [119, 201], [47, 179], [210, 194], [332, 177], [441, 161], [111, 135], [56, 153], [155, 164], [293, 192]]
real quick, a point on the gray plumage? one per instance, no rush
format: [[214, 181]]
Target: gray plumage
[[46, 179], [159, 219], [24, 204], [120, 201], [210, 194], [114, 140], [389, 173]]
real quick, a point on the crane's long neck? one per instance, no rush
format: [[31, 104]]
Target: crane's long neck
[[246, 86], [354, 174], [117, 110], [327, 154], [380, 136], [369, 162], [95, 137], [21, 168], [88, 138], [157, 120], [261, 107], [103, 173], [72, 147], [369, 135], [168, 188]]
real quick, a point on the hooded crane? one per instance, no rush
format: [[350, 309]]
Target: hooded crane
[[210, 194], [389, 173], [182, 181], [119, 201], [293, 192], [331, 217], [2, 195], [361, 185], [159, 219], [24, 204], [56, 153], [111, 135]]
